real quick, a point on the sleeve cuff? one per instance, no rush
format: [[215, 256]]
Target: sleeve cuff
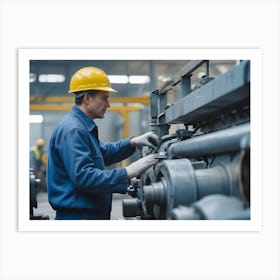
[[124, 181]]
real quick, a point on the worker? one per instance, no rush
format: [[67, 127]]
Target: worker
[[37, 162], [79, 186]]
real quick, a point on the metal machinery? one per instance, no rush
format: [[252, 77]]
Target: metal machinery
[[35, 185], [203, 170]]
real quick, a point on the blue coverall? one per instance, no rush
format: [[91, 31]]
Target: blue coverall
[[79, 187]]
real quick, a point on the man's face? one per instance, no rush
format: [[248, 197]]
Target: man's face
[[98, 104]]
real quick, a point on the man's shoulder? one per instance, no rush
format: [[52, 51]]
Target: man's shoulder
[[69, 123]]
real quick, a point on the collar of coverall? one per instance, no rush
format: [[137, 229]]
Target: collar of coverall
[[90, 124]]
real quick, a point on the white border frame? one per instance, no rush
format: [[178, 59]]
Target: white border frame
[[24, 57]]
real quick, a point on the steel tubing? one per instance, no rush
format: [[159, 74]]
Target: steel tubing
[[219, 142]]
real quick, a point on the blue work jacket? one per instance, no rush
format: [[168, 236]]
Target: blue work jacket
[[76, 176]]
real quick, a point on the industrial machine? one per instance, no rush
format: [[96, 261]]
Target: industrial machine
[[203, 169], [35, 185]]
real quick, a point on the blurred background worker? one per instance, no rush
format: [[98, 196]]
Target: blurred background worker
[[79, 186], [38, 162]]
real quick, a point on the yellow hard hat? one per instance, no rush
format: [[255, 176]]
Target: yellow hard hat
[[40, 142], [90, 78]]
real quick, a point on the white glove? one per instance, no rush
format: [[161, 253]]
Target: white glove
[[148, 139], [139, 166]]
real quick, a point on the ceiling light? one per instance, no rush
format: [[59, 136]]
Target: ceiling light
[[139, 79], [36, 119], [118, 79], [51, 78]]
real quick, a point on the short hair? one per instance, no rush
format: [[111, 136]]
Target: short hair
[[79, 96]]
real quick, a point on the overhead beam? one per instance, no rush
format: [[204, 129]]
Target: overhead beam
[[65, 99]]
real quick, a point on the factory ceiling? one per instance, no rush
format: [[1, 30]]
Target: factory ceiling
[[52, 77]]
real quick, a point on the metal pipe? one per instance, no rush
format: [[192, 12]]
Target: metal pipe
[[227, 140]]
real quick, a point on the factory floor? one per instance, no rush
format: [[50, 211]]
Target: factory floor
[[44, 208]]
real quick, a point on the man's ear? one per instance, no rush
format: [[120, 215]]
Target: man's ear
[[87, 99]]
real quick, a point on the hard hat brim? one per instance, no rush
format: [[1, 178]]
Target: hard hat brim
[[109, 89]]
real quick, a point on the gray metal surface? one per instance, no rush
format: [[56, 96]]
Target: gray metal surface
[[216, 96], [221, 207]]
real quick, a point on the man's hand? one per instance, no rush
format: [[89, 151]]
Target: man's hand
[[139, 166], [148, 139]]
